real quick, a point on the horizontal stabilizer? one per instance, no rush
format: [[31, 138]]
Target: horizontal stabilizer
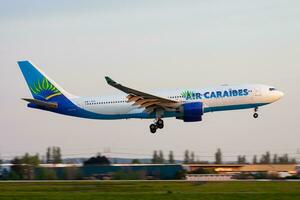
[[42, 103]]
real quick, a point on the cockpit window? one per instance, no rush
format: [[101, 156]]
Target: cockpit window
[[272, 89]]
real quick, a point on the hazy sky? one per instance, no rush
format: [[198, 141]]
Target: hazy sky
[[151, 45]]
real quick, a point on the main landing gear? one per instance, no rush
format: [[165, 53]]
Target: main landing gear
[[255, 115], [158, 124]]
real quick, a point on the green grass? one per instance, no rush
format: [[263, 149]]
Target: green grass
[[150, 190]]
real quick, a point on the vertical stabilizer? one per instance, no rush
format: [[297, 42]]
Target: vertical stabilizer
[[41, 86]]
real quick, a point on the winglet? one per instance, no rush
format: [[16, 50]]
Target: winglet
[[109, 81]]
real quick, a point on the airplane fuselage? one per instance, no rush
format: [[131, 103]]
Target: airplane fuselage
[[222, 98]]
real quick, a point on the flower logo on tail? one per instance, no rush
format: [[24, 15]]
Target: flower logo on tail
[[44, 89]]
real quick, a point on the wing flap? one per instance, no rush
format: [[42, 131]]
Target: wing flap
[[149, 102]]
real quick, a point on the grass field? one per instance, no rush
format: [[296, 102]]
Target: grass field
[[150, 190]]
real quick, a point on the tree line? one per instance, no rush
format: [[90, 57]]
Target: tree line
[[189, 157], [54, 156], [23, 166]]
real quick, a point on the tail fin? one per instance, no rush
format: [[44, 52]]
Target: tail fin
[[41, 86]]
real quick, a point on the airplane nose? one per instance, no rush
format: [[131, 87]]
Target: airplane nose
[[280, 94], [275, 95]]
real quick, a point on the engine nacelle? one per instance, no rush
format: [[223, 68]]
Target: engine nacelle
[[191, 112]]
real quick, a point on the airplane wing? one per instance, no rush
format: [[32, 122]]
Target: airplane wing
[[150, 102]]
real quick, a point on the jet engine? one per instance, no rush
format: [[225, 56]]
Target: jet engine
[[191, 112]]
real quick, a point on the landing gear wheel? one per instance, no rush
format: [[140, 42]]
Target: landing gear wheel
[[153, 128], [255, 115], [160, 124]]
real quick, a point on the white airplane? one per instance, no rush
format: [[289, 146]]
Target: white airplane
[[188, 105]]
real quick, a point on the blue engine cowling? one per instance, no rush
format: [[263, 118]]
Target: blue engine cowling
[[191, 112]]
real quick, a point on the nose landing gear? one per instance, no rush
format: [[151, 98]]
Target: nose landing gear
[[255, 115], [158, 124]]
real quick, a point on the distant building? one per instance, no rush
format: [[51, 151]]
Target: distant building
[[209, 177], [195, 172], [272, 168], [5, 169], [218, 168], [50, 165], [117, 171], [298, 169], [282, 169]]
